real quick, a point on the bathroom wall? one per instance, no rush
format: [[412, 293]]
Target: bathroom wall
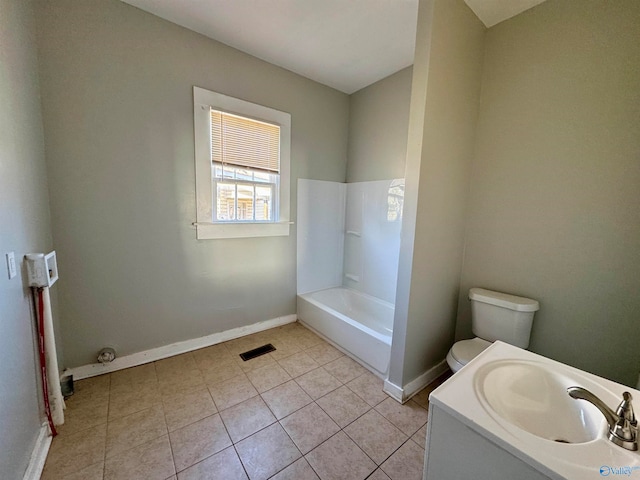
[[118, 119], [25, 227], [554, 202], [372, 227], [320, 227], [378, 125], [443, 113], [349, 235]]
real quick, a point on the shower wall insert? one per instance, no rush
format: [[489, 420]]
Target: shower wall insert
[[348, 247]]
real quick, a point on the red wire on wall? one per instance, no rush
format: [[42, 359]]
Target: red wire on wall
[[43, 362]]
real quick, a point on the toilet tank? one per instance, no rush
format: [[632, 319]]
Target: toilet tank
[[500, 316]]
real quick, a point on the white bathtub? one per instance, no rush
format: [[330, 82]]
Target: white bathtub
[[360, 324]]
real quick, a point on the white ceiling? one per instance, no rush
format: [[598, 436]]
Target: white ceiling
[[345, 44], [492, 12]]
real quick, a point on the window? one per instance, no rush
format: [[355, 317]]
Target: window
[[242, 167]]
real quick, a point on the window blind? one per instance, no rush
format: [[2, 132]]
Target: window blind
[[244, 142]]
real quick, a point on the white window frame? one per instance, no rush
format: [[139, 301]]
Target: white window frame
[[206, 228]]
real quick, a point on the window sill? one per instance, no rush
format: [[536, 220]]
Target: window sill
[[210, 231]]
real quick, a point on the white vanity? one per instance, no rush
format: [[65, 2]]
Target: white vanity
[[507, 415]]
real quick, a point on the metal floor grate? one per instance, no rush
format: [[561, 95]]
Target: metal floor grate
[[256, 352]]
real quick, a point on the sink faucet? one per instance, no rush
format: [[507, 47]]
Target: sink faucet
[[623, 426]]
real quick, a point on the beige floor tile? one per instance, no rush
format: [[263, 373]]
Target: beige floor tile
[[215, 353], [339, 458], [406, 463], [409, 417], [247, 418], [305, 338], [343, 406], [298, 364], [198, 441], [369, 388], [286, 399], [420, 437], [309, 427], [375, 435], [151, 460], [92, 388], [422, 397], [243, 344], [284, 348], [140, 374], [318, 382], [81, 414], [183, 394], [127, 399], [174, 382], [233, 391], [224, 465], [256, 363], [345, 369], [266, 378], [92, 472], [378, 475], [141, 427], [177, 363], [71, 453], [298, 470], [290, 326], [187, 407], [221, 373], [267, 452], [324, 353]]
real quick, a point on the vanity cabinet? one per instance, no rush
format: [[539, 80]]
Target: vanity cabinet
[[456, 452]]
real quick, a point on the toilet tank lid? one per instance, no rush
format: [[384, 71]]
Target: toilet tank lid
[[512, 302]]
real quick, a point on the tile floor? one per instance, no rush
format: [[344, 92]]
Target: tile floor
[[305, 411]]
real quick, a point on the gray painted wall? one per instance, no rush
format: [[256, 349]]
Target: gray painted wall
[[443, 113], [24, 228], [378, 126], [118, 117], [554, 203]]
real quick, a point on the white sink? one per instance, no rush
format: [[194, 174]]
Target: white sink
[[518, 402], [534, 398]]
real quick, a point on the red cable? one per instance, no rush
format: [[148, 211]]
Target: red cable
[[43, 362]]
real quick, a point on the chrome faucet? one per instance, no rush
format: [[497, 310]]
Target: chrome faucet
[[623, 426]]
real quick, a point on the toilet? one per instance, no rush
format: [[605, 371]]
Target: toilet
[[494, 316]]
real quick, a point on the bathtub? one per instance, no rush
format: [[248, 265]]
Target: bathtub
[[359, 324]]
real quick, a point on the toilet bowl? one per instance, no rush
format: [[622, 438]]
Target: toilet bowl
[[464, 351], [494, 316]]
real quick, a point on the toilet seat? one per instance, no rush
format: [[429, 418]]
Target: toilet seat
[[464, 351]]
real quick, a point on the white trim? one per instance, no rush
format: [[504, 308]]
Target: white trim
[[205, 229], [39, 454], [241, 230], [140, 358], [393, 391], [402, 395]]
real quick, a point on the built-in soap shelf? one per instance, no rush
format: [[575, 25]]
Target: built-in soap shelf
[[354, 233], [351, 276]]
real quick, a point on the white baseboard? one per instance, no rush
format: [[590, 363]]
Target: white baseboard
[[393, 391], [39, 454], [140, 358], [403, 394]]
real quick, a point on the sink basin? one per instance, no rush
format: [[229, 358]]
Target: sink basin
[[534, 398]]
